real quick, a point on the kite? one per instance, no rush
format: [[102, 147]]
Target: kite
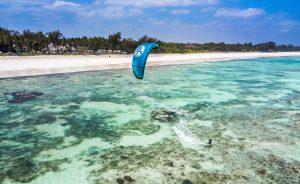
[[140, 57]]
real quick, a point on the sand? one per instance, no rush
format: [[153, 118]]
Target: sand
[[17, 66]]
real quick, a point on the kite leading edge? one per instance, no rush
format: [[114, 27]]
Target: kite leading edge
[[140, 57]]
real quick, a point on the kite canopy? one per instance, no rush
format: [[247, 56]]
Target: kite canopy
[[140, 58]]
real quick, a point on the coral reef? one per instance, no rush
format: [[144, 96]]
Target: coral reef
[[24, 96]]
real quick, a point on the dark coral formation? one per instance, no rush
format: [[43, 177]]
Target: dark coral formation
[[29, 170], [173, 162], [24, 96], [187, 181], [164, 116], [120, 181], [128, 179]]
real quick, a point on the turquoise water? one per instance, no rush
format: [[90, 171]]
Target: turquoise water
[[98, 127]]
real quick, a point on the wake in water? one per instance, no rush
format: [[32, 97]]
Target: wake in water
[[183, 132], [181, 129]]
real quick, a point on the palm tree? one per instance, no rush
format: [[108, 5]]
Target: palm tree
[[28, 40], [115, 40], [55, 38], [6, 42], [40, 41]]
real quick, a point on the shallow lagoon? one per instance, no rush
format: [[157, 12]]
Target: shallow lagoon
[[96, 127]]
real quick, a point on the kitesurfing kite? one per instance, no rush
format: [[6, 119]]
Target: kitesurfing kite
[[140, 58], [138, 66]]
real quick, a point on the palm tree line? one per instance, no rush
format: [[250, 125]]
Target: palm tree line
[[28, 42]]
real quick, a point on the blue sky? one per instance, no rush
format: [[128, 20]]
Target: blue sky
[[199, 21]]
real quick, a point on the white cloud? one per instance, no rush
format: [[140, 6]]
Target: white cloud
[[287, 25], [125, 8], [239, 13], [158, 3], [208, 9], [76, 8], [64, 4], [156, 22], [117, 12], [101, 8], [22, 5], [180, 11], [22, 2]]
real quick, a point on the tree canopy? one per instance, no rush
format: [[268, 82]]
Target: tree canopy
[[28, 42]]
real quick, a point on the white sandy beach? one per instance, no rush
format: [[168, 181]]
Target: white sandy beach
[[17, 66]]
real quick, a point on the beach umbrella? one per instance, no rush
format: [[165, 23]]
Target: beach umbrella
[[140, 57]]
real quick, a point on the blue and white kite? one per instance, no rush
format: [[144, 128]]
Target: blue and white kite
[[140, 58]]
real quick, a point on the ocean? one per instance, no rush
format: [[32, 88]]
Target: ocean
[[213, 122]]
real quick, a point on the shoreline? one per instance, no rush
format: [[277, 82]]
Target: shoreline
[[24, 66]]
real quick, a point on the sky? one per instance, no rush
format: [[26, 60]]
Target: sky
[[194, 21]]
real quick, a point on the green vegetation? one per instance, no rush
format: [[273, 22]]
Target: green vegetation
[[32, 43]]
